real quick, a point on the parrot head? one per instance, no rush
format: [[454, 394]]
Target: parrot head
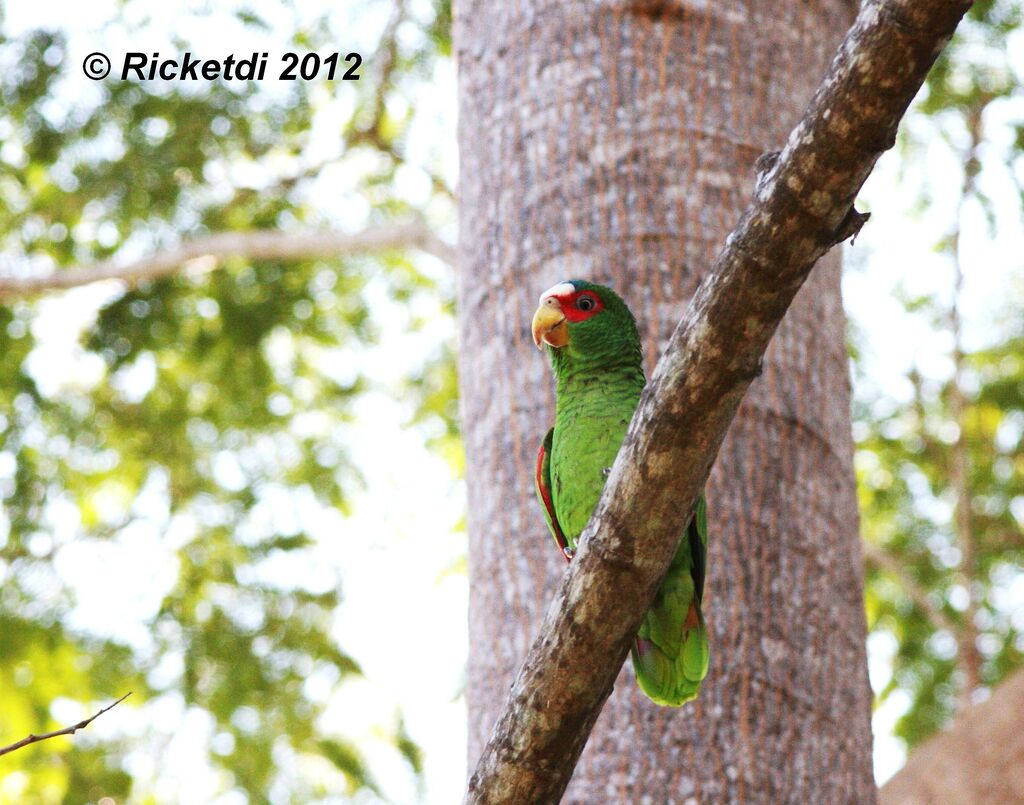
[[585, 323]]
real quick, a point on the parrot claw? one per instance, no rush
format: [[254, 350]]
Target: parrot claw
[[568, 553], [606, 471]]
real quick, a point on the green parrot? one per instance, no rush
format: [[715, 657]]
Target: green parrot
[[594, 346]]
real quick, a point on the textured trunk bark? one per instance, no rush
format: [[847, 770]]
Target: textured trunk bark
[[616, 142]]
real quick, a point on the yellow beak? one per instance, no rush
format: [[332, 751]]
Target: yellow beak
[[549, 325]]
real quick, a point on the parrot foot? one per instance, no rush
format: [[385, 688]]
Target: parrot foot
[[568, 553], [606, 471]]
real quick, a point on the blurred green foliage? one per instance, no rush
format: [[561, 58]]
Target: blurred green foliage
[[972, 104], [208, 415], [904, 458]]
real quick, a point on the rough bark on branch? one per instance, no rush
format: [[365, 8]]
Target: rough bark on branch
[[81, 725], [803, 205], [255, 245], [980, 758]]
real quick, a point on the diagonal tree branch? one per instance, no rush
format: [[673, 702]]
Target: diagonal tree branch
[[255, 245], [81, 725], [802, 206], [885, 561]]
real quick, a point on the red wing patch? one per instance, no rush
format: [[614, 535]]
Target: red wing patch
[[692, 620], [545, 496]]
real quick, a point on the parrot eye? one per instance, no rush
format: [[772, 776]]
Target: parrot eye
[[586, 303]]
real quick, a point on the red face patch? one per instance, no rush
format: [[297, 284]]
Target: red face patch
[[580, 305]]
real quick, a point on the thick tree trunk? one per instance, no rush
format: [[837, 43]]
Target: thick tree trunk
[[616, 141]]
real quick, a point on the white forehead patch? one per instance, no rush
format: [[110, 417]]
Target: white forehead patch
[[561, 289]]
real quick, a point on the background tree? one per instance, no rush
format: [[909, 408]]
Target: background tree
[[626, 156]]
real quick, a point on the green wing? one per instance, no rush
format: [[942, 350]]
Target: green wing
[[697, 536], [670, 654]]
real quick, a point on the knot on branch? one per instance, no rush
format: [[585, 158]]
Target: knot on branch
[[764, 165], [612, 557], [850, 226], [765, 162], [749, 372]]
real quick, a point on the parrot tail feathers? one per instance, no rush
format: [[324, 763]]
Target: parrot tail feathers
[[674, 680]]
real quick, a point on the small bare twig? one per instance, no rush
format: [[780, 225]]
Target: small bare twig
[[81, 725]]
